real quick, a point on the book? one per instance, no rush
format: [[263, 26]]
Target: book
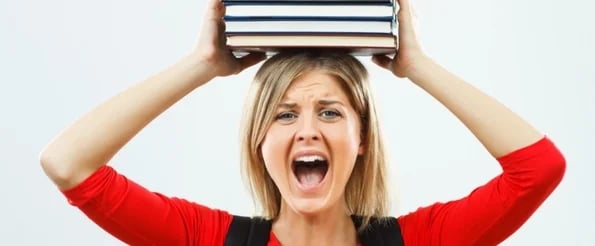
[[308, 1], [344, 11], [306, 25], [355, 51], [355, 44], [324, 40]]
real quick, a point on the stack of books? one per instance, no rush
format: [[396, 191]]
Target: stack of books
[[363, 27]]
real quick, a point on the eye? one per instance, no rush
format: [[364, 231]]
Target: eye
[[330, 114], [286, 116]]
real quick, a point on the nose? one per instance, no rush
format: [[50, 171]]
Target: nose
[[307, 130]]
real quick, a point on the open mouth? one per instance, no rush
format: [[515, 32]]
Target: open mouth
[[310, 170]]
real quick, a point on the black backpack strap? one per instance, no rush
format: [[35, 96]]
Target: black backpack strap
[[247, 231], [379, 232]]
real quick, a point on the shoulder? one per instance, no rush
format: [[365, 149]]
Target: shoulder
[[206, 225]]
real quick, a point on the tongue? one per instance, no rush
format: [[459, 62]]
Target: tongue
[[309, 177]]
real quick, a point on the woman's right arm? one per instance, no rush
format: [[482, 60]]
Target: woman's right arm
[[96, 137]]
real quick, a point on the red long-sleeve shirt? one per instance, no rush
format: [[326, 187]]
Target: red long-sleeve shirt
[[487, 216]]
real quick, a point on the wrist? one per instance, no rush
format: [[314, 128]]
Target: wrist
[[418, 67], [200, 67]]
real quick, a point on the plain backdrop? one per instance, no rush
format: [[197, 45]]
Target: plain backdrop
[[60, 58]]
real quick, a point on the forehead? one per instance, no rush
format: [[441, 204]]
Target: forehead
[[316, 84]]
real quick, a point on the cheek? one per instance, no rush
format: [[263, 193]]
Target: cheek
[[345, 139], [274, 150], [344, 147]]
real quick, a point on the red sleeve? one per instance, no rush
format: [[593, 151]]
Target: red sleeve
[[137, 216], [492, 212]]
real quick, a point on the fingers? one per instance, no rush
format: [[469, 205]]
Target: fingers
[[251, 59], [405, 13], [407, 26], [382, 61], [221, 38], [215, 10], [404, 6], [213, 26]]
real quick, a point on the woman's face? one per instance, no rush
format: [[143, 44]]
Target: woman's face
[[311, 147]]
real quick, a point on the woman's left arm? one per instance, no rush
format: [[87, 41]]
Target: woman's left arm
[[532, 165], [497, 128]]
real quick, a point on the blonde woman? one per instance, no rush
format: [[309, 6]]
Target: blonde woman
[[311, 151]]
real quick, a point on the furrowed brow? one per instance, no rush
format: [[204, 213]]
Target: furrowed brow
[[286, 105], [329, 102]]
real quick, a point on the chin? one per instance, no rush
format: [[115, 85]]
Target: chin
[[309, 206]]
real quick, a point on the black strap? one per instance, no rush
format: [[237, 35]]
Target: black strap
[[379, 232], [246, 231]]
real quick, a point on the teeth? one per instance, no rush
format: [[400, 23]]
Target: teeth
[[310, 158]]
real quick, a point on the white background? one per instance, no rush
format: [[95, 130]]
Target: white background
[[60, 58]]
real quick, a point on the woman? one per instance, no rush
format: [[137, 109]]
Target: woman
[[311, 150]]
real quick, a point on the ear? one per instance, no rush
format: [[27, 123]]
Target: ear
[[362, 145], [362, 136], [361, 149]]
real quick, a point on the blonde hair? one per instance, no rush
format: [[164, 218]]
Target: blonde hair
[[366, 191]]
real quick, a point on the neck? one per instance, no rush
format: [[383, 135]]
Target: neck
[[330, 227]]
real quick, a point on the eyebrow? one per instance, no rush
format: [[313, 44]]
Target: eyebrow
[[329, 102], [287, 105], [321, 102]]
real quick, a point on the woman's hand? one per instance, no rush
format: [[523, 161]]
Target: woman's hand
[[211, 48], [409, 52]]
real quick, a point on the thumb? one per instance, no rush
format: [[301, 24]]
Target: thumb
[[382, 61], [251, 59]]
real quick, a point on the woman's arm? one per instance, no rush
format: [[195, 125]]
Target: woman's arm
[[497, 128], [96, 137], [493, 211], [532, 165]]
